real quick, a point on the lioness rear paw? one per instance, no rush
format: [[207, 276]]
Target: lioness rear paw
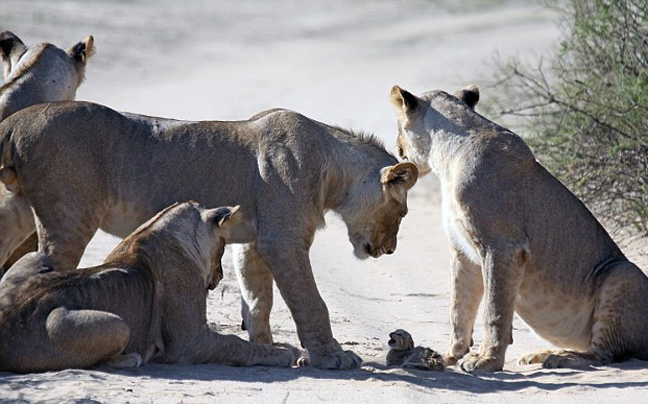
[[571, 360], [336, 360], [534, 357], [474, 362]]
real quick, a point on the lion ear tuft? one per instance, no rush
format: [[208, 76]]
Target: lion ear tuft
[[404, 101], [81, 51], [225, 213], [405, 173], [11, 49], [469, 95]]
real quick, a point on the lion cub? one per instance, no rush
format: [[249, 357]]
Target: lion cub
[[403, 353]]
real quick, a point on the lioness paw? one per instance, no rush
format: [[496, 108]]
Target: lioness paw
[[474, 362], [534, 357], [126, 361], [450, 360], [336, 360], [571, 360]]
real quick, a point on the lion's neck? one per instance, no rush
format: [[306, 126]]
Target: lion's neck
[[347, 171]]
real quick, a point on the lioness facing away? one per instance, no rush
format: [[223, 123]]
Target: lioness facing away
[[145, 303], [113, 171], [32, 75], [39, 73], [522, 241]]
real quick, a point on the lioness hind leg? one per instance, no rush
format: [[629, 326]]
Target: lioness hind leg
[[255, 281], [84, 338], [619, 328]]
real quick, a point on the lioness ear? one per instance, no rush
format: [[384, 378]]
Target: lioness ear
[[406, 173], [404, 101], [469, 95], [224, 214], [11, 49], [235, 226], [82, 50]]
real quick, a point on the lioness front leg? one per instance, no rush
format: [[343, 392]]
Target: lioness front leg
[[502, 270], [211, 347], [292, 272], [65, 241], [255, 281], [466, 294]]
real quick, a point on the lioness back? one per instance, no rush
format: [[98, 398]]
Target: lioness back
[[112, 150]]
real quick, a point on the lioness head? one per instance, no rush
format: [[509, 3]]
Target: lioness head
[[417, 120], [373, 230], [12, 50], [197, 233]]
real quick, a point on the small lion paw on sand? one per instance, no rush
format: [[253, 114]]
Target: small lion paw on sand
[[403, 353]]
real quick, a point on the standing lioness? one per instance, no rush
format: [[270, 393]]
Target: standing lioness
[[521, 240], [145, 303], [83, 166]]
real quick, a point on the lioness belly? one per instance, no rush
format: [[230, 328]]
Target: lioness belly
[[563, 319], [124, 218]]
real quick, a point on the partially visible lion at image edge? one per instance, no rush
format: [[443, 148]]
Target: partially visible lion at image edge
[[35, 74], [112, 171], [522, 241], [147, 302]]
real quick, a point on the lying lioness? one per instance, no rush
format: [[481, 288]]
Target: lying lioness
[[522, 241], [145, 303]]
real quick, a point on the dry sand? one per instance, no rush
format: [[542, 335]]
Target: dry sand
[[334, 61]]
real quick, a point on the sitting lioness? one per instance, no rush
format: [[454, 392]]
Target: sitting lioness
[[522, 241], [145, 303], [83, 166], [32, 75]]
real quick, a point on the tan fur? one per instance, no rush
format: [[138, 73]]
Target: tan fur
[[35, 74], [40, 73], [113, 171], [147, 302], [522, 241]]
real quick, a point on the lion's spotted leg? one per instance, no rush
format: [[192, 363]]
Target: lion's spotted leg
[[83, 338], [466, 293], [293, 274], [618, 321], [255, 281], [503, 268]]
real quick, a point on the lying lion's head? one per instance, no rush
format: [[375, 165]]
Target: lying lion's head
[[373, 228], [197, 234]]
